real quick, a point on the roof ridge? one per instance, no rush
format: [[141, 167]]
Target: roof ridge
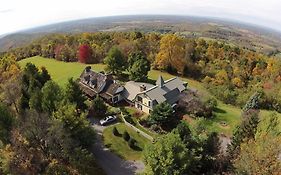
[[171, 79]]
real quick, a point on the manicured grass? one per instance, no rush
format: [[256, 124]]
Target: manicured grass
[[119, 146], [60, 71]]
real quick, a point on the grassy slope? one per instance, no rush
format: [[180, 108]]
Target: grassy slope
[[118, 145], [61, 71]]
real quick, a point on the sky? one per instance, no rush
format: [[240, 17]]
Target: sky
[[17, 15]]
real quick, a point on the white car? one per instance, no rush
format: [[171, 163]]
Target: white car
[[108, 120]]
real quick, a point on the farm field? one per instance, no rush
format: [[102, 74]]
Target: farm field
[[227, 114]]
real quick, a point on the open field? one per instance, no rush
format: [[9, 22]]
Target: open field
[[119, 146], [61, 71]]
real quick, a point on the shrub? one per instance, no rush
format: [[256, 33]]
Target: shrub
[[129, 119], [115, 131], [132, 143], [126, 136]]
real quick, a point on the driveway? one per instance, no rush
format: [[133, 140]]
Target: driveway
[[111, 163]]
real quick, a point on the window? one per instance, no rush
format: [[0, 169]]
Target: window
[[149, 103], [139, 99], [115, 99], [140, 106]]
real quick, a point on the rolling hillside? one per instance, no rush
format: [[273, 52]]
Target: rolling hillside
[[248, 36]]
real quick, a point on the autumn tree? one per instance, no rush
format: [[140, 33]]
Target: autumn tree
[[260, 155], [172, 52], [84, 54]]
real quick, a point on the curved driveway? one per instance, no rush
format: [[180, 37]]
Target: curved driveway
[[110, 162]]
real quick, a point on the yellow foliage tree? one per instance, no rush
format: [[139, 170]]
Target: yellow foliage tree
[[221, 77], [237, 82], [172, 51]]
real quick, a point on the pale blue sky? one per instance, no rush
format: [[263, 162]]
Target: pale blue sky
[[21, 14]]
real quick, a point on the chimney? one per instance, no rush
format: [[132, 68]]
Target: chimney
[[142, 88], [160, 81], [109, 76], [88, 68]]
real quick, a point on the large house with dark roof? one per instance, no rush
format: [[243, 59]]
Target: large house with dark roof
[[95, 83], [143, 96]]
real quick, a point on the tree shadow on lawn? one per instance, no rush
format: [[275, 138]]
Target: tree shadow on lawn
[[218, 110], [136, 148]]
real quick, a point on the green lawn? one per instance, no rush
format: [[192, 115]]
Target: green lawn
[[60, 71], [119, 146]]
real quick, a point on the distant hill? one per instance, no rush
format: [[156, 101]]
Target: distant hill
[[244, 35]]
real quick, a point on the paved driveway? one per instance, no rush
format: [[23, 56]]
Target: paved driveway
[[111, 163]]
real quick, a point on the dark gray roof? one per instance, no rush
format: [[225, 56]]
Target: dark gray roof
[[169, 92], [99, 82]]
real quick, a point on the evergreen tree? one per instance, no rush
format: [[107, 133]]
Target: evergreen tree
[[51, 97], [74, 94], [161, 114], [98, 107], [245, 131], [139, 70], [253, 102]]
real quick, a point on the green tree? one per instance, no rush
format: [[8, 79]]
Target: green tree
[[245, 131], [35, 101], [139, 70], [115, 61], [76, 124], [51, 97], [74, 94], [6, 122], [168, 155], [98, 107], [161, 114], [253, 102], [133, 57], [44, 76]]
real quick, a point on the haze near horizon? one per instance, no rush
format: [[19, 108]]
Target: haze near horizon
[[18, 15]]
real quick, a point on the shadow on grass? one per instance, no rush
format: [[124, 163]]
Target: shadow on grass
[[218, 110], [150, 81], [136, 148]]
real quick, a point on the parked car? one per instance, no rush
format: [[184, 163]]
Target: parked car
[[108, 119]]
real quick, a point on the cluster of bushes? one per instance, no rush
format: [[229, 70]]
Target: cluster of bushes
[[131, 141]]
